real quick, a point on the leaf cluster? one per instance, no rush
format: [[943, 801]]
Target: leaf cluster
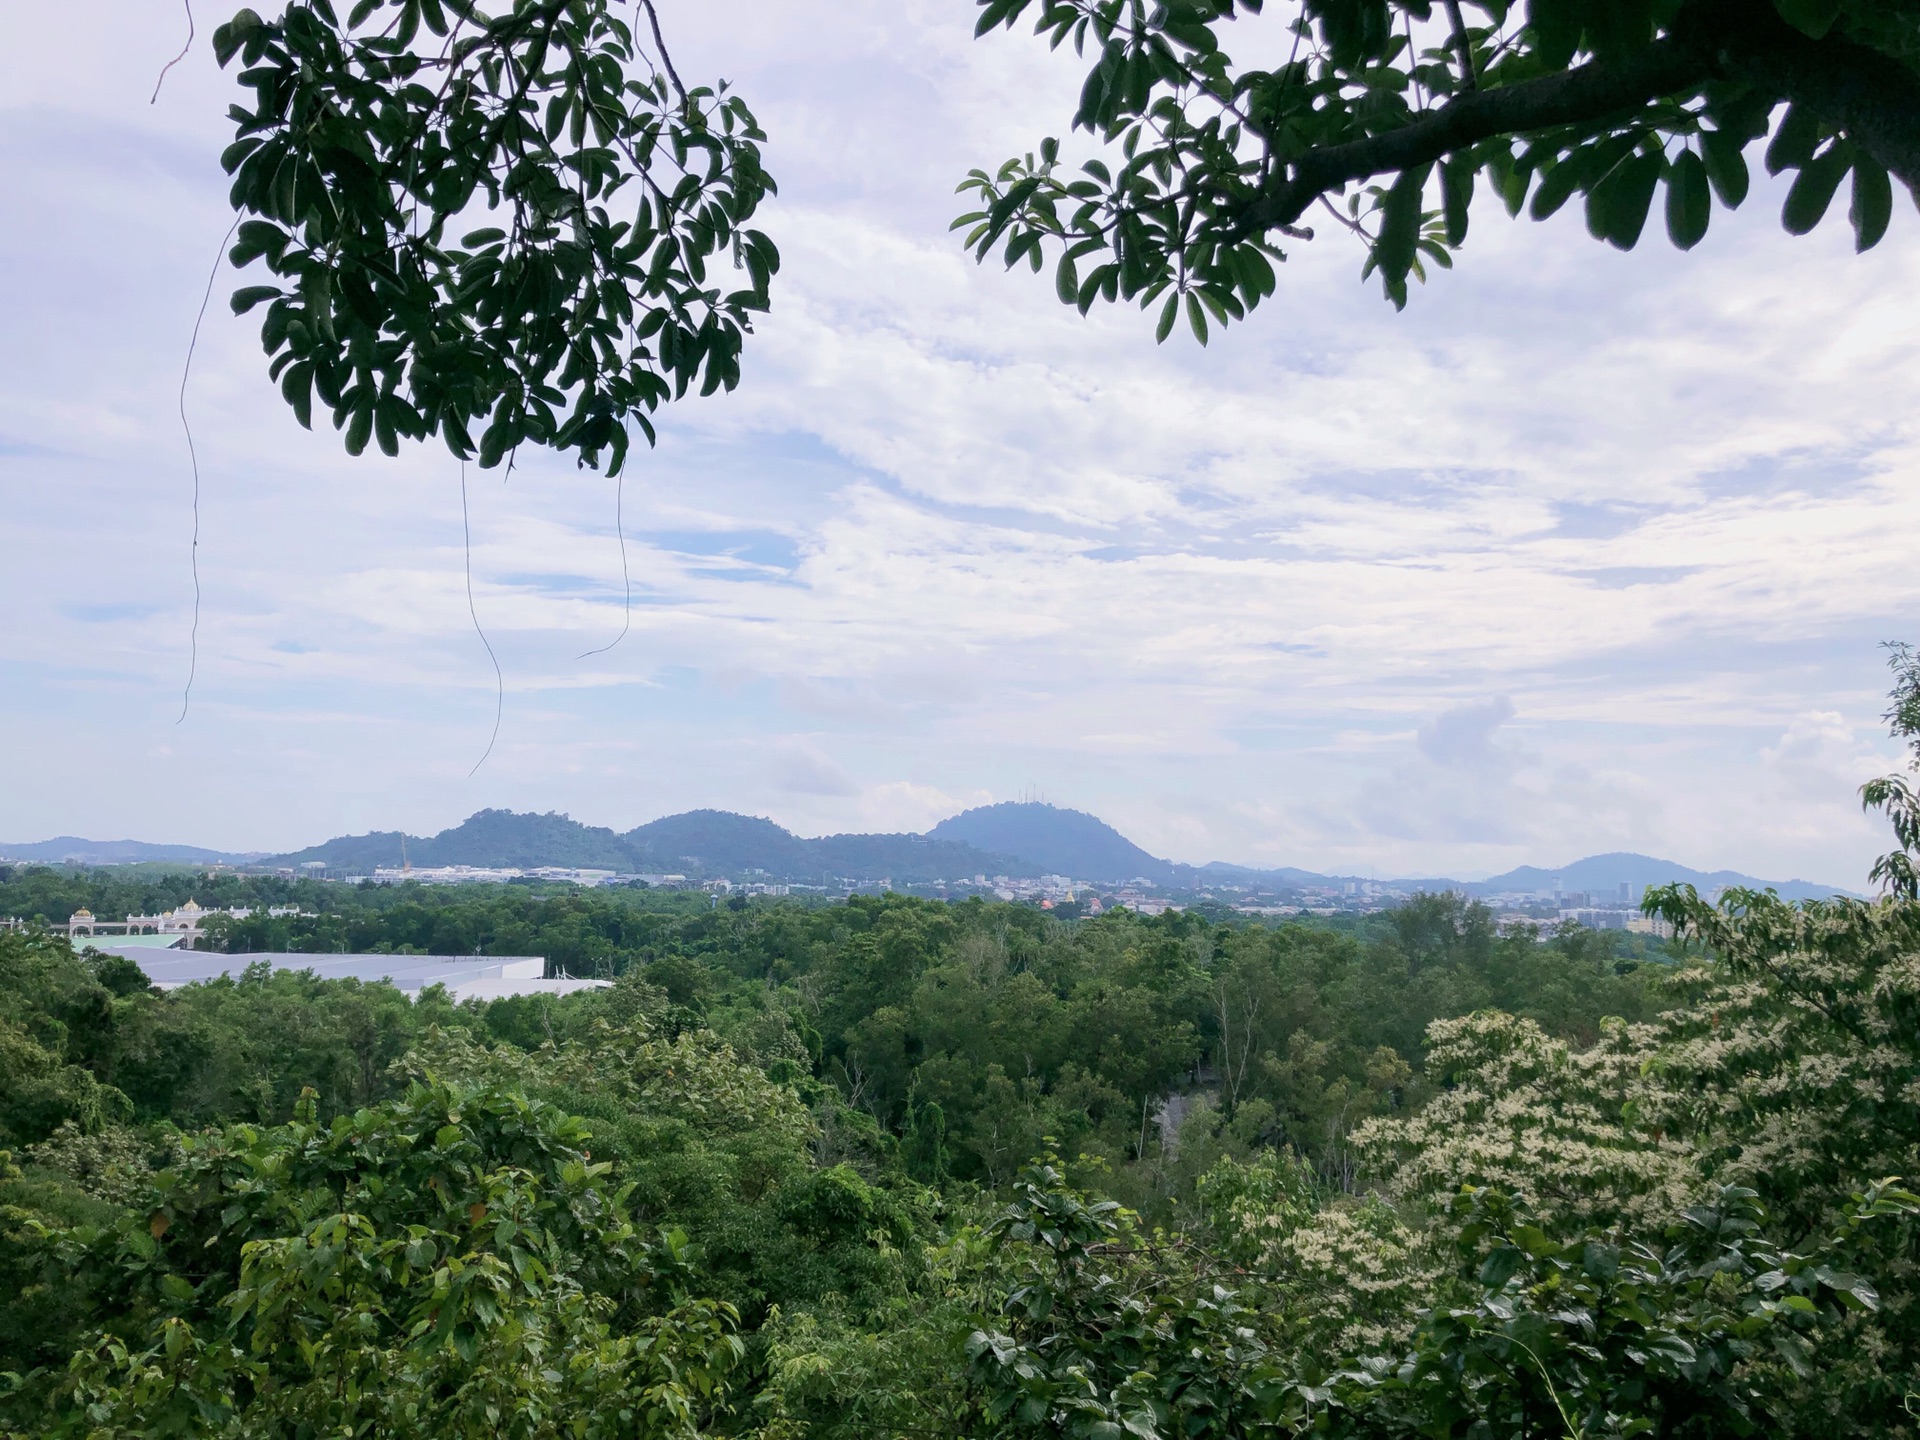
[[1388, 115], [451, 1263], [498, 224]]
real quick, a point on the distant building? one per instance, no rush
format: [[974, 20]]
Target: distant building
[[185, 923], [443, 875], [475, 978], [1597, 919]]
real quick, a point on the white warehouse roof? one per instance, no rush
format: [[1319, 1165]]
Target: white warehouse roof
[[485, 977]]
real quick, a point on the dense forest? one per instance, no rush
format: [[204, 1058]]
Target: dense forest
[[891, 1167], [897, 1167]]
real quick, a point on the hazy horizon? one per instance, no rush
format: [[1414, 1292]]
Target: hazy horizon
[[620, 827]]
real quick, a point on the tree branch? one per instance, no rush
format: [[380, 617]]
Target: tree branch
[[1871, 96], [1590, 92], [1469, 80], [660, 44], [1874, 98]]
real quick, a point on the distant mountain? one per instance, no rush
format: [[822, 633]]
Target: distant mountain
[[1602, 876], [699, 843], [71, 848], [355, 854], [1010, 839], [490, 838], [718, 842], [1598, 876], [1219, 872], [915, 858], [1060, 842]]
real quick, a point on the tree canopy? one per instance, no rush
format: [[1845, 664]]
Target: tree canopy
[[515, 217], [1382, 117], [898, 1168], [515, 223]]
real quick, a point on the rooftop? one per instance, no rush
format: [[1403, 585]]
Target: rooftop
[[485, 977]]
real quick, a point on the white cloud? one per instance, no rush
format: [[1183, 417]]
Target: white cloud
[[1463, 737], [802, 769], [1583, 551]]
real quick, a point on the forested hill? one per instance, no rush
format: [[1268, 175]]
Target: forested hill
[[1013, 839], [1061, 842], [71, 849], [715, 842], [1604, 874], [697, 843]]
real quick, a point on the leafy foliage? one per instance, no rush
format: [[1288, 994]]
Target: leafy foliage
[[1616, 1332], [1415, 1177], [1386, 115], [590, 191], [450, 1263]]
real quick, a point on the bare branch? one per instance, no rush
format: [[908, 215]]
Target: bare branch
[[176, 59], [660, 44], [1326, 203], [1468, 79]]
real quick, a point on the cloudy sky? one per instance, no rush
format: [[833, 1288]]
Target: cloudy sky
[[1584, 551]]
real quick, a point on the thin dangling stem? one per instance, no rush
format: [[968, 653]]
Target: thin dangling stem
[[499, 680], [193, 458], [626, 578], [176, 59]]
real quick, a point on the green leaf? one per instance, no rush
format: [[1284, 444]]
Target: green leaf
[[296, 385], [1814, 187], [1600, 1260], [228, 38], [1812, 18], [1556, 26], [1872, 204], [1793, 143], [1617, 207], [249, 296], [1534, 1240], [1196, 317], [1509, 180], [1169, 313], [1795, 1351], [1674, 1347], [1559, 183], [1501, 1266], [1400, 226], [1856, 1292], [1722, 152], [1456, 196], [1689, 200], [1066, 284], [997, 12]]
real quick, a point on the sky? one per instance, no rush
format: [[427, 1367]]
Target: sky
[[1584, 551]]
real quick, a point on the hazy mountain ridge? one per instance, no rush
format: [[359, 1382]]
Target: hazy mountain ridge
[[63, 848], [1602, 875], [698, 843], [1012, 839]]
